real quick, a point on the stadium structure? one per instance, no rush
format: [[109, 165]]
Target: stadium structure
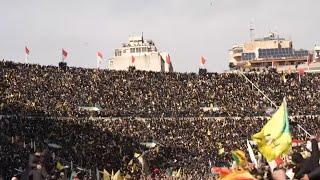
[[142, 55], [273, 51], [154, 125]]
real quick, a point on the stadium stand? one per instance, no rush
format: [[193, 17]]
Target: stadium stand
[[40, 110]]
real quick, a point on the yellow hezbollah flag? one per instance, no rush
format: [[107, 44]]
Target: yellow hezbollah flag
[[274, 139], [106, 175], [178, 173], [240, 157], [117, 176]]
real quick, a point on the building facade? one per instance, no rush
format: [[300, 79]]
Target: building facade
[[140, 54], [270, 51]]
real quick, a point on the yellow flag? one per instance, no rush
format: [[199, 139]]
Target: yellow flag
[[209, 132], [106, 175], [134, 168], [140, 158], [238, 175], [274, 139], [240, 157], [117, 176], [221, 151], [248, 64], [137, 155], [178, 174], [59, 166]]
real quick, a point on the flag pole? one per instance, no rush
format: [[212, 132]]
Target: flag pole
[[98, 174], [305, 131], [26, 59], [98, 62], [299, 78], [272, 102], [62, 55]]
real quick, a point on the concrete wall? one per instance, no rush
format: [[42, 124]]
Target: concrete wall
[[147, 62], [270, 44]]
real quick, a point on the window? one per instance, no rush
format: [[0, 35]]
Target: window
[[144, 49], [117, 52], [138, 50], [132, 50]]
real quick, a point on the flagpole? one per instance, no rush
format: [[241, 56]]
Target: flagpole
[[98, 64], [305, 131], [62, 55], [98, 174], [26, 59], [299, 78], [272, 102]]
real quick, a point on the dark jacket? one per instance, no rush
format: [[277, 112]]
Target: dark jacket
[[33, 161], [315, 174], [311, 163], [32, 172]]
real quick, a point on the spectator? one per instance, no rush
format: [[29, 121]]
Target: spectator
[[40, 106]]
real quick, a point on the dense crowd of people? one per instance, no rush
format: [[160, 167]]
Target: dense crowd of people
[[158, 115], [188, 143], [111, 143], [48, 90]]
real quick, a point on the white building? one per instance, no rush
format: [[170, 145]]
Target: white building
[[141, 54]]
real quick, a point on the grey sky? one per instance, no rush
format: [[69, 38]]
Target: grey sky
[[186, 29]]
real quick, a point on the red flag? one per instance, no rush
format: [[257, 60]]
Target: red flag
[[27, 50], [64, 54], [301, 71], [100, 55], [275, 163], [203, 60], [133, 59], [220, 170], [296, 142], [168, 61]]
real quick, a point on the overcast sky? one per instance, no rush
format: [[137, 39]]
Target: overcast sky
[[187, 29]]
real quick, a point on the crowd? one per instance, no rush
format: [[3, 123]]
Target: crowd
[[103, 143], [48, 90], [41, 105]]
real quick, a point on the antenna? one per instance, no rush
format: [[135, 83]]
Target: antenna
[[142, 37], [276, 33], [251, 31]]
